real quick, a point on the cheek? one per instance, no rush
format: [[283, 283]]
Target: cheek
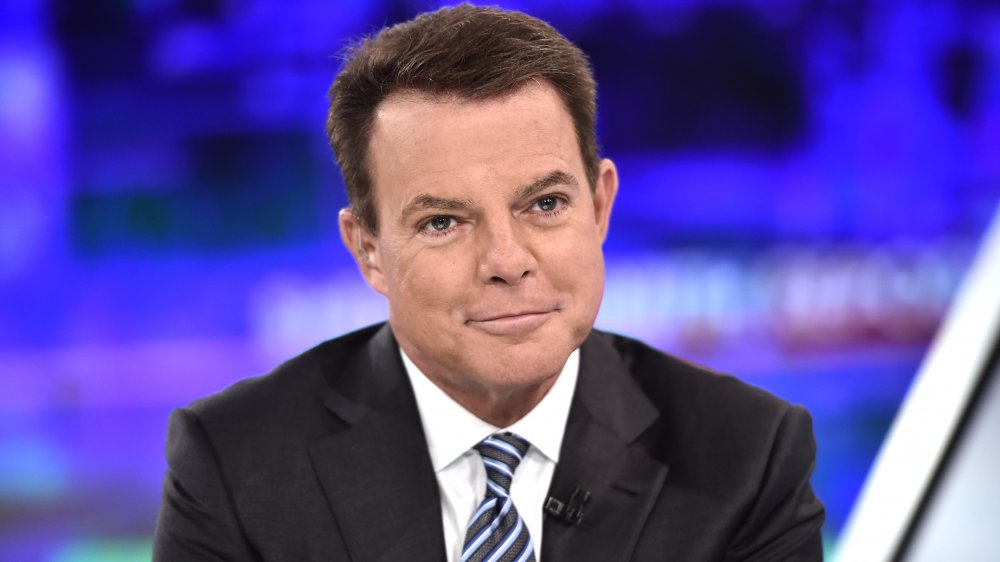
[[430, 280], [590, 281], [576, 261]]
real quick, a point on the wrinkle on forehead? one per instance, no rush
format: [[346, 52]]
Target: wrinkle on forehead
[[438, 145]]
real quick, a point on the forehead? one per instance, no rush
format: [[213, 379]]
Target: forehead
[[422, 142]]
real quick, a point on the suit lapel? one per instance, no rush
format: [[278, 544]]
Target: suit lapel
[[377, 473], [600, 455]]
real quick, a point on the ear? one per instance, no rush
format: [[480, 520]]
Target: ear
[[605, 189], [363, 246]]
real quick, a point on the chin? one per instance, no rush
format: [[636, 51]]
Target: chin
[[523, 364]]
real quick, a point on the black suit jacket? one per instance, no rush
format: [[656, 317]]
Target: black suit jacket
[[325, 459]]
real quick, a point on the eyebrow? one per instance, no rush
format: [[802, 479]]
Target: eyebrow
[[555, 177], [424, 201]]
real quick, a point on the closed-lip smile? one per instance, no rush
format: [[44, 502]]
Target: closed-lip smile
[[505, 315], [511, 323]]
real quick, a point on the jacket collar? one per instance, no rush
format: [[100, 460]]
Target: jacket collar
[[380, 484], [376, 472], [601, 455]]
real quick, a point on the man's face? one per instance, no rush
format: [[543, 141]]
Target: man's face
[[489, 243]]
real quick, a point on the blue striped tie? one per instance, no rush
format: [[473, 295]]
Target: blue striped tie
[[497, 533]]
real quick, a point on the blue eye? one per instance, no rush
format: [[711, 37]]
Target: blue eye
[[440, 223], [547, 203]]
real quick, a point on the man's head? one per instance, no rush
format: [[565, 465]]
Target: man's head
[[489, 217], [470, 52]]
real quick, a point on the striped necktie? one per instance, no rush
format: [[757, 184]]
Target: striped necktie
[[496, 532]]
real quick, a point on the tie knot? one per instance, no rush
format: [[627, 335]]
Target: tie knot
[[501, 453]]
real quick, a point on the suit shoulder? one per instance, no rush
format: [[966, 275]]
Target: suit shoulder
[[739, 460], [716, 432], [681, 388], [294, 385]]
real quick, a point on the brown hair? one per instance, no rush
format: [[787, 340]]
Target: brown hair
[[470, 51]]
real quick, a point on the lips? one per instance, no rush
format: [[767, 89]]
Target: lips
[[507, 315], [511, 323]]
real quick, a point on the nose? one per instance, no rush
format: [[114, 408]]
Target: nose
[[505, 254]]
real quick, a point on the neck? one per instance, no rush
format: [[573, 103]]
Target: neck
[[501, 409], [497, 404]]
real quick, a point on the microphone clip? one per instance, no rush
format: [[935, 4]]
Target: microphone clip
[[570, 512]]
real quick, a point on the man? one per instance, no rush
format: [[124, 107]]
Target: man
[[487, 420]]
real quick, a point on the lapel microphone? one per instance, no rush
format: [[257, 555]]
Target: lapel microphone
[[568, 512]]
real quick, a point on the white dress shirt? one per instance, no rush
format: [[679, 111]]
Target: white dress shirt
[[452, 431]]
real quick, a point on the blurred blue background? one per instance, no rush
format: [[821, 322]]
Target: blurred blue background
[[803, 185]]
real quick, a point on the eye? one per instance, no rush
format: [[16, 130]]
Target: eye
[[440, 223], [548, 204]]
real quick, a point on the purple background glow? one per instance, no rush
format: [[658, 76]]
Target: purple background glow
[[803, 184]]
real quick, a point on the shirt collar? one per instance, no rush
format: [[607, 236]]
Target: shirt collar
[[451, 430]]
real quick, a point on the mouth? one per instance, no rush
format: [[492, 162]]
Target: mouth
[[511, 324]]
